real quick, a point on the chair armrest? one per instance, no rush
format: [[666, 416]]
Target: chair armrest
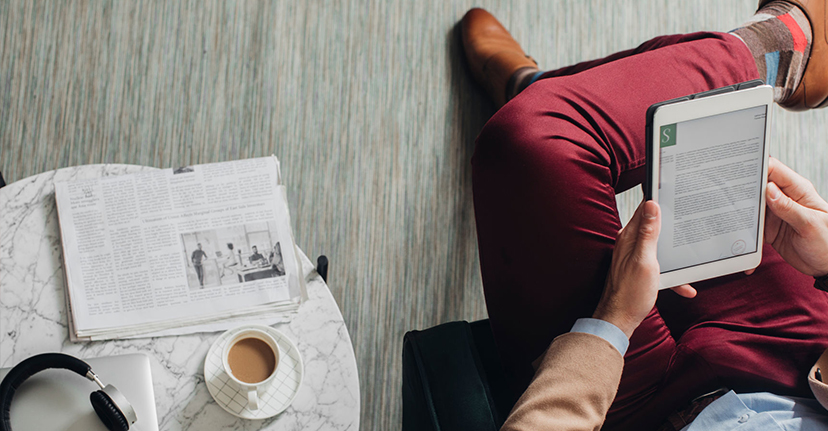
[[445, 384]]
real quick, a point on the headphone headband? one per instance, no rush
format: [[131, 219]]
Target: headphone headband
[[30, 367], [107, 408]]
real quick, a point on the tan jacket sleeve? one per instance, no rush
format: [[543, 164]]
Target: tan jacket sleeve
[[573, 387]]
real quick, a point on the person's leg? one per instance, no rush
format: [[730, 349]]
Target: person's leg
[[650, 45], [526, 76], [761, 332], [546, 170], [780, 37], [757, 333], [200, 273]]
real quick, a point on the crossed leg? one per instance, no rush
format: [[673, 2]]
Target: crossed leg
[[546, 170]]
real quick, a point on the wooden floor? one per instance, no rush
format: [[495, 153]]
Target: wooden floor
[[368, 104]]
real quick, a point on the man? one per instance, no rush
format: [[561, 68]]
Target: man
[[546, 170], [198, 257], [228, 261], [277, 264], [256, 256]]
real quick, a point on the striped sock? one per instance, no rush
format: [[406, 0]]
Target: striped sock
[[779, 37], [520, 80]]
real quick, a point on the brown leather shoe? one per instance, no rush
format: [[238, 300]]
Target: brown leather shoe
[[493, 55], [812, 91]]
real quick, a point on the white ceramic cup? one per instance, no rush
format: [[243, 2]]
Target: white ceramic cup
[[254, 390]]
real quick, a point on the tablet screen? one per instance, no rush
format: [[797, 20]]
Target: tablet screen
[[709, 188]]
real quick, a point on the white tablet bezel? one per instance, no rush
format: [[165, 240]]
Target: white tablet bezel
[[700, 108]]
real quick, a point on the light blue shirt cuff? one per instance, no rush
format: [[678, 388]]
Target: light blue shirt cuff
[[605, 330]]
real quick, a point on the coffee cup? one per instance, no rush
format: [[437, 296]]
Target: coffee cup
[[251, 358]]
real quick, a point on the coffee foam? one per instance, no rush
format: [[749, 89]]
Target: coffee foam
[[251, 360]]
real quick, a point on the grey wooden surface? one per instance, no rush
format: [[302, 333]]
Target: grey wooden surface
[[367, 103]]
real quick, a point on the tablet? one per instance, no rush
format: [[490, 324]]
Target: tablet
[[707, 159]]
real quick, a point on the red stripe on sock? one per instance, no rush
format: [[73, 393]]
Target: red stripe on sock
[[799, 40]]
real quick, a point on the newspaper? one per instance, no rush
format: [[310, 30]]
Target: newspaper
[[178, 251]]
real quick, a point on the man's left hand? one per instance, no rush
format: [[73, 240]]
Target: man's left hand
[[632, 284]]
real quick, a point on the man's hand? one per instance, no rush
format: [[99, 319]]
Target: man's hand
[[632, 284], [796, 224]]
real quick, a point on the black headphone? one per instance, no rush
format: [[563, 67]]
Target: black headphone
[[110, 405]]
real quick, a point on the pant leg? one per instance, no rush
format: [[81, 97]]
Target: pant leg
[[546, 170], [650, 45], [761, 332]]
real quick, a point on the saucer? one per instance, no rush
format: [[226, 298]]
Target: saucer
[[272, 400]]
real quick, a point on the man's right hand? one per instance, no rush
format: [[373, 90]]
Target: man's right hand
[[796, 224]]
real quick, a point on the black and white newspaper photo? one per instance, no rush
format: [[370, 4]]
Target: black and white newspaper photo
[[232, 255]]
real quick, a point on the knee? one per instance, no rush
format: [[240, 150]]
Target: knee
[[542, 127], [554, 133], [513, 132]]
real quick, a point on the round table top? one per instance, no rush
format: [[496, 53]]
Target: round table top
[[33, 320]]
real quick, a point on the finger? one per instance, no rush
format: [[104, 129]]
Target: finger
[[790, 182], [786, 209], [635, 220], [627, 235], [772, 226], [750, 271], [648, 229], [685, 290]]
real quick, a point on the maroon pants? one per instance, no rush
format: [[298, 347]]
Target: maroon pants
[[546, 170]]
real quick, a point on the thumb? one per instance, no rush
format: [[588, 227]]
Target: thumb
[[648, 230], [786, 208]]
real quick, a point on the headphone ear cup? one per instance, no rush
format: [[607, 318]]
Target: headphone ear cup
[[109, 413]]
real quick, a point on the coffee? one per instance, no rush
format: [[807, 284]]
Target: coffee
[[251, 360]]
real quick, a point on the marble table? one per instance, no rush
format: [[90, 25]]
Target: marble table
[[33, 320]]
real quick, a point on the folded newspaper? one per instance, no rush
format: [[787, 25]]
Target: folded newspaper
[[176, 251]]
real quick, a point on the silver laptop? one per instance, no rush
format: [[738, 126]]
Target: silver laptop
[[59, 399]]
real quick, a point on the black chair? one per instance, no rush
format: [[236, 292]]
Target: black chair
[[322, 267], [453, 379]]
